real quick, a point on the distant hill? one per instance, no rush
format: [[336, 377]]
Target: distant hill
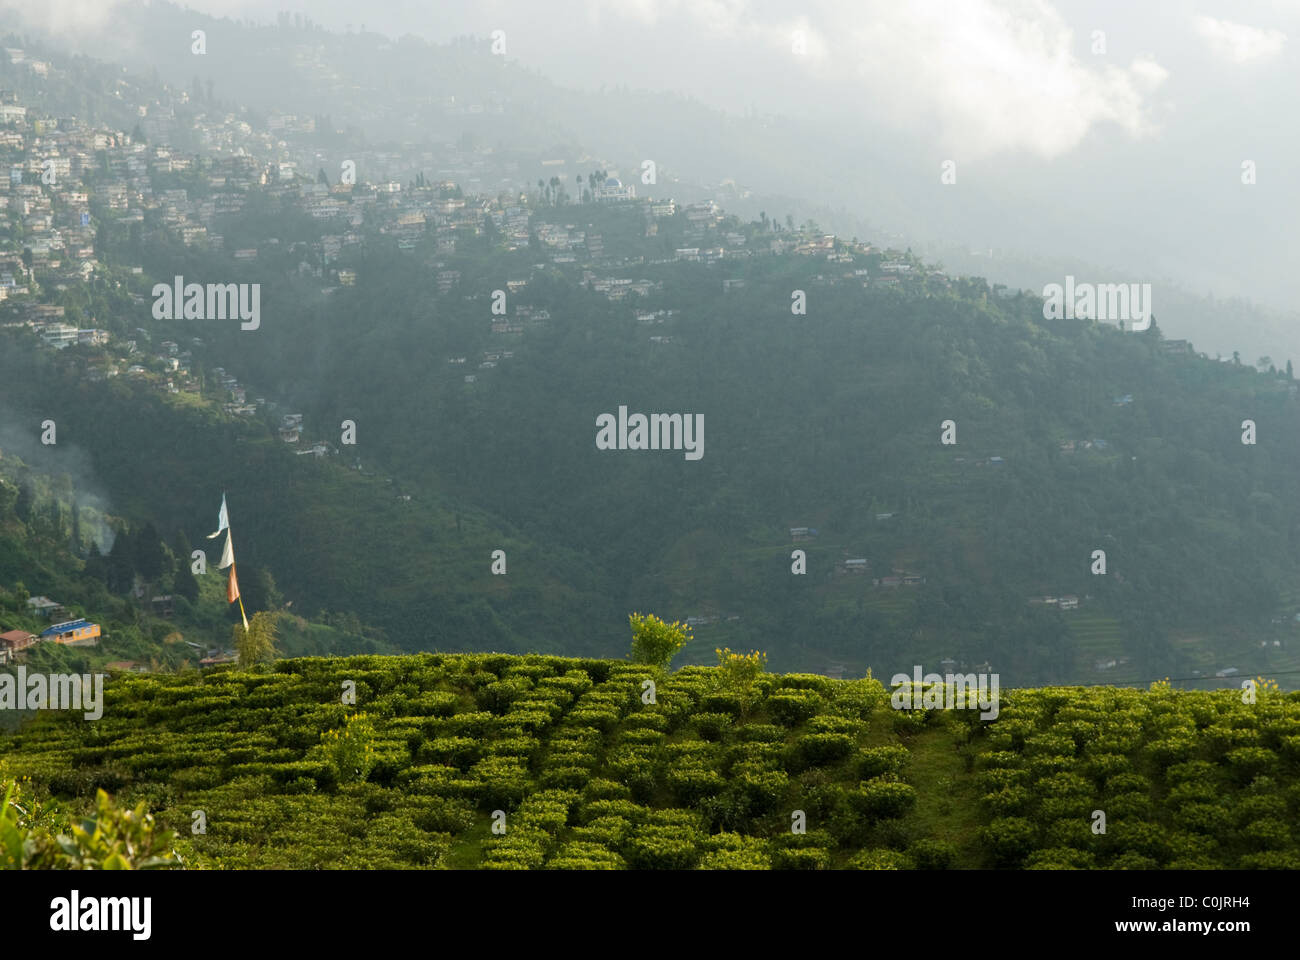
[[1071, 437]]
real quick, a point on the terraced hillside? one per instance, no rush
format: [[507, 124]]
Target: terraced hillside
[[504, 762]]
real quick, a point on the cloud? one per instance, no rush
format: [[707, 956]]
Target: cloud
[[977, 77], [1237, 43], [999, 75]]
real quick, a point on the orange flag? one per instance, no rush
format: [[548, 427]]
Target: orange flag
[[232, 594]]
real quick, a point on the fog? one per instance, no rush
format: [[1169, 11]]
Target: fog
[[1104, 139]]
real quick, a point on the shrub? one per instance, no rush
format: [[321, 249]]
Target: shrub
[[738, 673], [33, 837], [352, 749], [760, 733], [457, 751], [1008, 801], [880, 859], [1259, 805], [1133, 861], [1128, 783], [712, 726], [793, 707], [1060, 858], [585, 855], [882, 799], [692, 784], [761, 791], [1269, 833], [600, 789], [1103, 766], [653, 847], [1008, 840], [574, 777], [877, 761], [745, 858], [821, 749], [1129, 805], [801, 858], [1164, 753], [1202, 817], [1248, 762], [607, 831], [655, 642], [931, 854]]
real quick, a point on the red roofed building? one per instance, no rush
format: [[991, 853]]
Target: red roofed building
[[13, 642]]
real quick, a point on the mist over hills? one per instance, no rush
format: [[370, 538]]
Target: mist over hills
[[851, 150]]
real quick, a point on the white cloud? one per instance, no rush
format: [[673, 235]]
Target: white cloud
[[979, 77], [1237, 43], [999, 75]]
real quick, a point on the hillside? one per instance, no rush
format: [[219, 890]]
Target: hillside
[[472, 339], [59, 540], [583, 773], [1106, 441]]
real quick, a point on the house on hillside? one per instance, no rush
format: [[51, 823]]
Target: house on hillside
[[43, 606], [74, 633], [13, 642]]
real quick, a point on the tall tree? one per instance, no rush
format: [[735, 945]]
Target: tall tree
[[257, 643], [149, 555]]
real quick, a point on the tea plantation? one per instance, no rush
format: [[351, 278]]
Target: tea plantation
[[509, 762]]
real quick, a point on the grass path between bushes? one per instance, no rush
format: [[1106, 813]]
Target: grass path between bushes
[[946, 806]]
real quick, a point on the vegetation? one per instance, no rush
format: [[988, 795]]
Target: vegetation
[[655, 642], [587, 775], [1154, 479], [256, 644], [36, 836]]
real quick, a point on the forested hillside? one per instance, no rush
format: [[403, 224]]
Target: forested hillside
[[830, 420]]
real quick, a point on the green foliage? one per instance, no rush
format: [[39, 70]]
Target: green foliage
[[739, 672], [655, 642], [351, 750], [256, 644], [33, 837], [591, 778]]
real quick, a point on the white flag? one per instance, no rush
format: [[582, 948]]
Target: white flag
[[223, 522], [228, 554]]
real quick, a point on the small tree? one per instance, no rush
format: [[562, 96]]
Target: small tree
[[352, 749], [655, 642], [257, 643], [739, 672]]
